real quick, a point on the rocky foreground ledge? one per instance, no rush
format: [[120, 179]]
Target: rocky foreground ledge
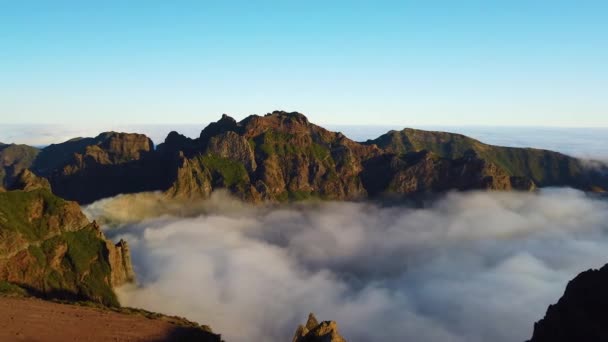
[[31, 319]]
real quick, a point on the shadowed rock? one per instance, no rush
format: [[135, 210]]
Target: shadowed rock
[[581, 314]]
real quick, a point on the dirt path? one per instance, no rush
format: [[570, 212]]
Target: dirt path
[[28, 319]]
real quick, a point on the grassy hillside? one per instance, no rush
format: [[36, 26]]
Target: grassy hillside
[[545, 168], [48, 248]]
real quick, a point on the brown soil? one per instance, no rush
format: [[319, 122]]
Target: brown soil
[[29, 319]]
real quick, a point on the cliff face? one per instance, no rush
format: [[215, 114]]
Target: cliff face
[[49, 248], [314, 331], [279, 156], [282, 156], [580, 315]]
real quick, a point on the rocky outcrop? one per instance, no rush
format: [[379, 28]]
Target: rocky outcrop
[[49, 248], [119, 258], [28, 181], [580, 314], [314, 331], [13, 160]]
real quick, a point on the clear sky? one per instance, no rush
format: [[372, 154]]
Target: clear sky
[[402, 63]]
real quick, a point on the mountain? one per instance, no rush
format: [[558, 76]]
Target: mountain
[[50, 249], [580, 314], [283, 157], [314, 331], [544, 168]]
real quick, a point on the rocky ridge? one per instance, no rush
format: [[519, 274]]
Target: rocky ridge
[[283, 157], [313, 331]]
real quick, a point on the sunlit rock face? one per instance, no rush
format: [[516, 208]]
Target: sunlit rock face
[[49, 248], [314, 331]]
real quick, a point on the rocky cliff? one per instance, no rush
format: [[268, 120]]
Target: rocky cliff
[[282, 156], [580, 315], [313, 331], [50, 249]]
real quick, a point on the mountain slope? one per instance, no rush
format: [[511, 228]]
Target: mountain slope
[[544, 168], [50, 249]]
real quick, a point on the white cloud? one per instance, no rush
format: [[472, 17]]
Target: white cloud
[[471, 267]]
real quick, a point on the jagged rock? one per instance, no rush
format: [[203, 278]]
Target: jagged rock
[[119, 258], [193, 180], [314, 331], [580, 314], [28, 181], [232, 146]]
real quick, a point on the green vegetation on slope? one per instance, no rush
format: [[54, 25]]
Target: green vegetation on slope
[[16, 212], [69, 262], [84, 269], [544, 167], [231, 173]]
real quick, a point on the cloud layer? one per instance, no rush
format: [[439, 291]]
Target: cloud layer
[[469, 267]]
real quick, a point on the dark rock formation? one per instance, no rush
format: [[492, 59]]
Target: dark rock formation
[[581, 314], [49, 248], [314, 331], [112, 163]]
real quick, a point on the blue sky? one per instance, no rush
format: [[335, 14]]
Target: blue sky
[[404, 63]]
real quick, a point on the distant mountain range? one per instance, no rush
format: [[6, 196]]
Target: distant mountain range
[[282, 156]]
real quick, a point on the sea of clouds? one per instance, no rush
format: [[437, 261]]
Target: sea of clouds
[[480, 266]]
